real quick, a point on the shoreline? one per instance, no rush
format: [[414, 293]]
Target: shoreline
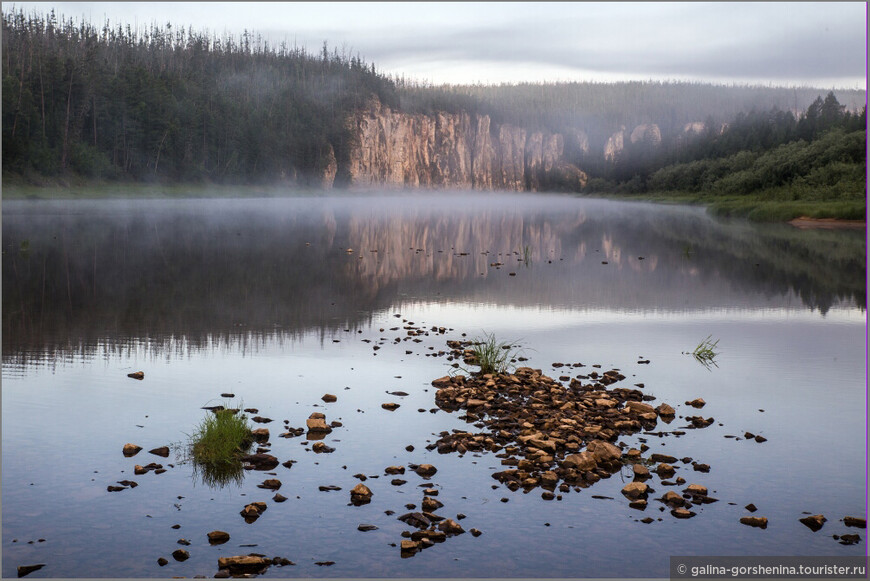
[[828, 214], [807, 223]]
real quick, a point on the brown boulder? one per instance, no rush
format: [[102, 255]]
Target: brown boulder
[[162, 451], [584, 461], [243, 563], [635, 490], [754, 521], [218, 537], [329, 398], [426, 470], [360, 494], [131, 450], [260, 434], [604, 451], [814, 522], [261, 461], [450, 527]]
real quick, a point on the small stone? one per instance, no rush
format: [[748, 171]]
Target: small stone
[[635, 490], [161, 561], [760, 439], [751, 507], [697, 403], [451, 527], [271, 484], [409, 546], [584, 461], [131, 449], [754, 521], [426, 470], [849, 539], [814, 522], [137, 375], [604, 451], [321, 448], [365, 527], [218, 537], [430, 504], [260, 434], [180, 555], [641, 472], [673, 499], [397, 482], [696, 490], [475, 532], [663, 458], [854, 521], [665, 470], [279, 497], [28, 569], [261, 461], [360, 494], [329, 398], [391, 406], [241, 564], [394, 470], [317, 424], [682, 513]]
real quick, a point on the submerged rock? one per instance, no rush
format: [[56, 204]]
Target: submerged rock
[[635, 490], [360, 494], [814, 522], [218, 537], [260, 461], [162, 451], [28, 569], [425, 470], [131, 450], [754, 521], [241, 564]]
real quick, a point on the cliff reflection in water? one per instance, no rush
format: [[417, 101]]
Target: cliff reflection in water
[[75, 273]]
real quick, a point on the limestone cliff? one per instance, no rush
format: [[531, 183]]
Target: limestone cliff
[[455, 150]]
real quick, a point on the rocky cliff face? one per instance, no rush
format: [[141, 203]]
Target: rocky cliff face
[[461, 151]]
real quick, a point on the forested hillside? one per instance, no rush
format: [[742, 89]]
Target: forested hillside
[[173, 104]]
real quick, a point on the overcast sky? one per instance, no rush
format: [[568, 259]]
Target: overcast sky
[[821, 44]]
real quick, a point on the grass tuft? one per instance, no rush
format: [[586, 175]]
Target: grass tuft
[[493, 356], [705, 352], [221, 438]]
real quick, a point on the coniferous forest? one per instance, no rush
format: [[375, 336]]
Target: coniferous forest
[[174, 105]]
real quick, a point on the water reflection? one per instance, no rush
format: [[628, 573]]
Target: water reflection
[[189, 274]]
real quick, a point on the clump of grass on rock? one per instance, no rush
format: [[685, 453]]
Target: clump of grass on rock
[[221, 438], [491, 355]]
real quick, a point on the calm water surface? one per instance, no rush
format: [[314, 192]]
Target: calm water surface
[[280, 301]]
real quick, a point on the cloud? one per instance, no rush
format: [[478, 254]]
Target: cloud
[[782, 42]]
